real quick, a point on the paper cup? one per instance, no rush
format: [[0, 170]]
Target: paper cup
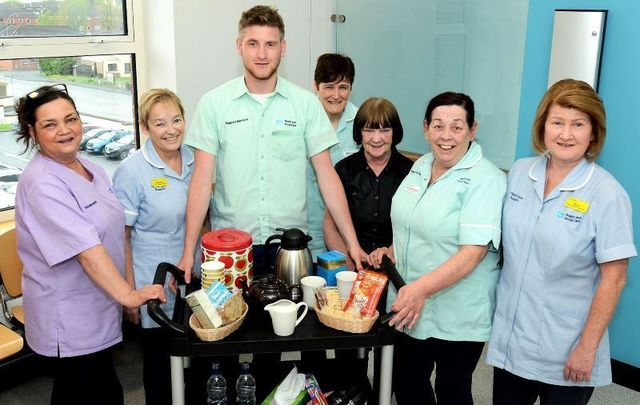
[[212, 269], [345, 280]]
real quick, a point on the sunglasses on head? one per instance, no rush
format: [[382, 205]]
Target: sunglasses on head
[[34, 95]]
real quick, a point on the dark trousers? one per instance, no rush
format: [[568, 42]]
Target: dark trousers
[[413, 363], [156, 371], [510, 389], [88, 379]]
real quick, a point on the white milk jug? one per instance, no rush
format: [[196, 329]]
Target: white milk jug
[[284, 316]]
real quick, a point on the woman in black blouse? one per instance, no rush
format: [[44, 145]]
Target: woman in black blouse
[[371, 176]]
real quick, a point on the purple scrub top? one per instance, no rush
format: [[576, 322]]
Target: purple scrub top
[[60, 214]]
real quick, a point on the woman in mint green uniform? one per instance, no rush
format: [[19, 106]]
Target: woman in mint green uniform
[[446, 231]]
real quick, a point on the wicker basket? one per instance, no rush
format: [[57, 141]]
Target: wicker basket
[[362, 325], [211, 335]]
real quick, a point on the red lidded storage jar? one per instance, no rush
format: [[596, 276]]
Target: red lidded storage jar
[[234, 248]]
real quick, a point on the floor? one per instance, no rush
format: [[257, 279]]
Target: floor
[[128, 362]]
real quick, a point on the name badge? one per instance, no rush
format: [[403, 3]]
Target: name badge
[[413, 188], [349, 152], [159, 183], [577, 204]]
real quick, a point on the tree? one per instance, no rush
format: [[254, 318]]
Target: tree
[[57, 66], [76, 13], [48, 18]]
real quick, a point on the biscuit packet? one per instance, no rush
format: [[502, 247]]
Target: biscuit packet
[[366, 292]]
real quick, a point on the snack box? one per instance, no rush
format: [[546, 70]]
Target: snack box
[[329, 264], [206, 305], [204, 309]]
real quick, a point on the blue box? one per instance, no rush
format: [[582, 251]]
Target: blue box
[[329, 264]]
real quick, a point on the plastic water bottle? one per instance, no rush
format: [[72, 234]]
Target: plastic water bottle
[[216, 386], [246, 386]]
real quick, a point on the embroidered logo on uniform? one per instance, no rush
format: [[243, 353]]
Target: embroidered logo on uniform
[[414, 172], [576, 219], [413, 188], [286, 123], [464, 180], [159, 183], [236, 121], [577, 204], [90, 205], [515, 197]]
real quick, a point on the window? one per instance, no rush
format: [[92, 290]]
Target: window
[[66, 18], [91, 48]]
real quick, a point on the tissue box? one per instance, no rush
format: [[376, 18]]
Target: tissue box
[[301, 399], [329, 264]]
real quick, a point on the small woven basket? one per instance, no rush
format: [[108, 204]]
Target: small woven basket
[[211, 335], [362, 325]]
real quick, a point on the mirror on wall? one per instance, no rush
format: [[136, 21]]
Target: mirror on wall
[[576, 46]]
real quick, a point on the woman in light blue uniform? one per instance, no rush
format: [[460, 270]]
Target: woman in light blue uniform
[[446, 231], [152, 186], [567, 237]]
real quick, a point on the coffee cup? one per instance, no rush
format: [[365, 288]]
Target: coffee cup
[[345, 280], [309, 284]]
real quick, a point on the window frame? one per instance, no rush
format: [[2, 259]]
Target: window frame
[[131, 43]]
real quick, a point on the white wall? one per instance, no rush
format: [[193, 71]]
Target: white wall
[[189, 46]]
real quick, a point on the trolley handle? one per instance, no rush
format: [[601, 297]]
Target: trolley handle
[[153, 306], [396, 279]]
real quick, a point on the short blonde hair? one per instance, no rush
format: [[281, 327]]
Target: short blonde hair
[[570, 93], [152, 97]]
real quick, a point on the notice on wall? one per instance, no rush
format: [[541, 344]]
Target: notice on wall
[[448, 72], [449, 11]]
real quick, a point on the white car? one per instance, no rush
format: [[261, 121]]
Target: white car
[[8, 183], [9, 174], [7, 195]]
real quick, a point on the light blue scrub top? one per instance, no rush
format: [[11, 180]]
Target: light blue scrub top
[[261, 154], [463, 207], [154, 198], [552, 250], [315, 210]]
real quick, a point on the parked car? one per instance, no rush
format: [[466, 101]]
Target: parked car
[[7, 200], [9, 174], [91, 134], [96, 145], [120, 148], [88, 127], [8, 190]]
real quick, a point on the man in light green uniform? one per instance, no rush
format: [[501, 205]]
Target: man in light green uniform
[[257, 132]]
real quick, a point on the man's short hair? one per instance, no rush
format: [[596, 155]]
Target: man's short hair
[[332, 67], [261, 15]]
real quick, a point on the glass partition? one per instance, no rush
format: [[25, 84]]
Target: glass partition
[[410, 50]]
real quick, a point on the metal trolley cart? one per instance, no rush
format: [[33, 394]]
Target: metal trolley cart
[[256, 336]]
